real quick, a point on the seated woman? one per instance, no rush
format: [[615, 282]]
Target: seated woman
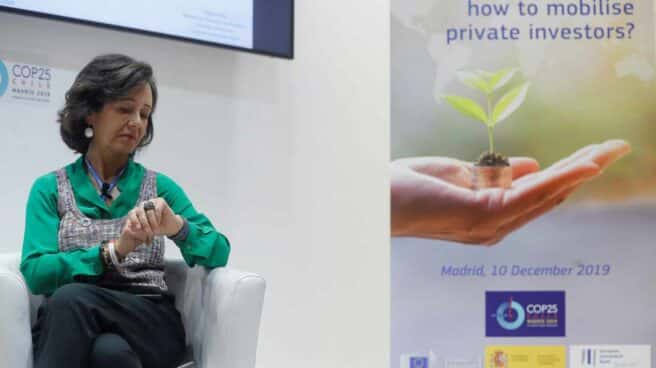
[[94, 232]]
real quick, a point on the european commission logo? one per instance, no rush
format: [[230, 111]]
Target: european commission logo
[[597, 356], [4, 78], [588, 357]]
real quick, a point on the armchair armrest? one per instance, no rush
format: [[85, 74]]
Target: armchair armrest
[[15, 333], [221, 310]]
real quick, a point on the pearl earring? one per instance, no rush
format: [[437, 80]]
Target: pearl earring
[[88, 132]]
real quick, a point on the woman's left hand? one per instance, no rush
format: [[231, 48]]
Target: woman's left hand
[[159, 221]]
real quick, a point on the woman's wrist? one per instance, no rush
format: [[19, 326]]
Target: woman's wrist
[[179, 223], [118, 250], [183, 229]]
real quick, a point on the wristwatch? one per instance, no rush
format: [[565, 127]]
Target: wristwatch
[[104, 255], [110, 250]]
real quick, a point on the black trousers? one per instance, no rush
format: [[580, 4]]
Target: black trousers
[[84, 325]]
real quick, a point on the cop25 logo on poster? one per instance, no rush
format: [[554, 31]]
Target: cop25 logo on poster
[[524, 313]]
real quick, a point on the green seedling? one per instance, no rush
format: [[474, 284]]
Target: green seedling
[[489, 83]]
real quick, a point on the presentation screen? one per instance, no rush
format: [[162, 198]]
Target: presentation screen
[[260, 26]]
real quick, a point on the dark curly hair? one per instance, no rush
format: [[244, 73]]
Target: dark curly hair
[[105, 79]]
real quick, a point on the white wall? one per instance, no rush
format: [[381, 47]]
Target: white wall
[[288, 158]]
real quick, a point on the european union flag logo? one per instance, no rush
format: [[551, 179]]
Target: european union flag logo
[[418, 362]]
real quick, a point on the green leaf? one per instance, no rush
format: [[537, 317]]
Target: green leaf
[[509, 103], [467, 107], [474, 80], [484, 73], [501, 78]]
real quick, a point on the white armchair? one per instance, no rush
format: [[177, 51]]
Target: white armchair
[[220, 309]]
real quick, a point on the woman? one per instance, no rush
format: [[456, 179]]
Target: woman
[[94, 231]]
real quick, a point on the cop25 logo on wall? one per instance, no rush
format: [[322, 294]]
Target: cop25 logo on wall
[[4, 78], [29, 82]]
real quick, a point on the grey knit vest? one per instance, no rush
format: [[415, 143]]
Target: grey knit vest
[[142, 270]]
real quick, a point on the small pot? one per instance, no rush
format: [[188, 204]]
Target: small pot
[[492, 177]]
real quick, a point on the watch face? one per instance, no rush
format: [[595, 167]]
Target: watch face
[[104, 252]]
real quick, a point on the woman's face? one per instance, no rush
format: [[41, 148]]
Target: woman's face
[[121, 124]]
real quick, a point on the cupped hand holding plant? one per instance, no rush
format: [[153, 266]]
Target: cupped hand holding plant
[[432, 197]]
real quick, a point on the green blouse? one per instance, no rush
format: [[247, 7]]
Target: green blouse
[[45, 268]]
